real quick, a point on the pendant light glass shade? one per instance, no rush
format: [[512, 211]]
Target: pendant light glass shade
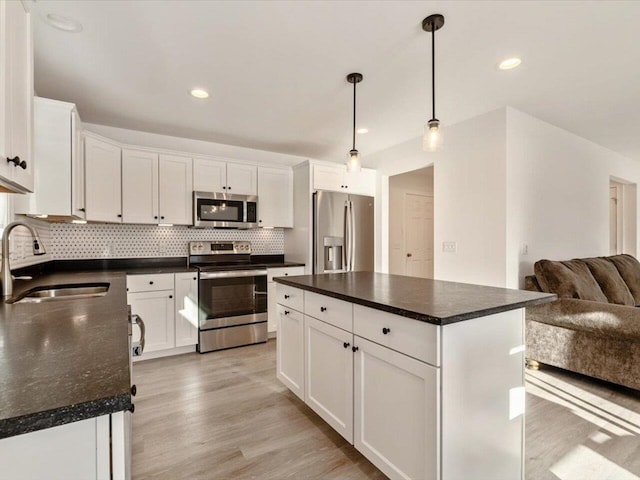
[[432, 139], [353, 162]]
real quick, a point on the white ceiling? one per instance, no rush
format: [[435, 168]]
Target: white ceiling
[[276, 69]]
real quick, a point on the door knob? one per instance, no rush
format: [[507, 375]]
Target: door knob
[[409, 255], [386, 330], [355, 349], [346, 344]]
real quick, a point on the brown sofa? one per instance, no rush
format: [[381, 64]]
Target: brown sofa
[[594, 326]]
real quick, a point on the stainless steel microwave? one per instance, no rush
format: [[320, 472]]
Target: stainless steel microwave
[[223, 210]]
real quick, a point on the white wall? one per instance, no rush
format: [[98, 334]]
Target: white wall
[[470, 201], [418, 182], [558, 195], [187, 145]]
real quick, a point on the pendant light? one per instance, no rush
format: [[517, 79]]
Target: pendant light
[[432, 139], [353, 163]]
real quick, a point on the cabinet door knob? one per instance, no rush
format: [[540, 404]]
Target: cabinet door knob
[[82, 209], [386, 330], [119, 215], [224, 188], [170, 296], [286, 274], [409, 255], [17, 163], [323, 309], [346, 344], [354, 349], [151, 282], [162, 217], [228, 188], [287, 312], [134, 390], [132, 408], [195, 278], [286, 296]]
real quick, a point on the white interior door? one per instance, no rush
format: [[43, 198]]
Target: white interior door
[[418, 235]]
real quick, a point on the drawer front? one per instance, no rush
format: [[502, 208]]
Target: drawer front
[[284, 272], [414, 338], [290, 297], [149, 283], [328, 309]]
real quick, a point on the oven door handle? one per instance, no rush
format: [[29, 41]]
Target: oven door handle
[[232, 274]]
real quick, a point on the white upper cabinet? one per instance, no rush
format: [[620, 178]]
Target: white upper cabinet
[[275, 197], [242, 179], [336, 178], [209, 175], [139, 187], [103, 181], [222, 177], [175, 190], [57, 153], [16, 92]]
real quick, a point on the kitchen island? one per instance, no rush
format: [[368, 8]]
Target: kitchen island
[[424, 377]]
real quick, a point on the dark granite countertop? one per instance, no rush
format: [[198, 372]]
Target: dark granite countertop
[[282, 264], [64, 360], [433, 301]]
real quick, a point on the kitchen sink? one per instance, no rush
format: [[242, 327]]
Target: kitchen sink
[[48, 293]]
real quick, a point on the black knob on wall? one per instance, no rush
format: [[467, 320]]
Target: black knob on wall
[[346, 344], [386, 330], [134, 390], [355, 349], [323, 309]]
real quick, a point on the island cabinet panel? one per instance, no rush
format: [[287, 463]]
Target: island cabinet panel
[[290, 349], [156, 310], [417, 339], [328, 309], [396, 410], [186, 288], [483, 391], [329, 374]]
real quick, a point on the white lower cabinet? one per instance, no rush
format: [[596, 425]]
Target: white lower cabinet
[[329, 374], [396, 411], [290, 349], [95, 448], [168, 306], [272, 294]]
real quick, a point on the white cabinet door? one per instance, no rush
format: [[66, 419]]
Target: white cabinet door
[[329, 374], [176, 187], [103, 181], [78, 207], [157, 312], [275, 197], [361, 183], [186, 288], [16, 86], [329, 178], [139, 187], [209, 175], [396, 412], [290, 350], [242, 179], [272, 307]]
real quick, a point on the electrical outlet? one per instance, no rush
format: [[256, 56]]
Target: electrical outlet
[[449, 247]]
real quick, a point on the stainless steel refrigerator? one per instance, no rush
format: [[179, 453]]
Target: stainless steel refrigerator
[[343, 232]]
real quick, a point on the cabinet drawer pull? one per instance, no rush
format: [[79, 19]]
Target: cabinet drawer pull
[[323, 309], [346, 344], [287, 312], [286, 296], [386, 330], [355, 349]]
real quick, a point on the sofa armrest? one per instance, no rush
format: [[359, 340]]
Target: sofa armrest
[[605, 319]]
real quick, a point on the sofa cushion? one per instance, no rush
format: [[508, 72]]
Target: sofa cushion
[[629, 269], [610, 281], [568, 279]]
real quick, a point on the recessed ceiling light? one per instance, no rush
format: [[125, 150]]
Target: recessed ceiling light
[[66, 24], [509, 63], [363, 130], [199, 93]]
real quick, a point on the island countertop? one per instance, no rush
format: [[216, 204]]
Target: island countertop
[[63, 360], [434, 301]]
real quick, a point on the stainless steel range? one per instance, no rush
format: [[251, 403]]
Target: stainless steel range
[[232, 295]]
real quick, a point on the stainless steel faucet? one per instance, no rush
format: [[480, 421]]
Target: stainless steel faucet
[[38, 249]]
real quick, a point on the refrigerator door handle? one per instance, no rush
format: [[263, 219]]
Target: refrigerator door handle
[[352, 237], [346, 237]]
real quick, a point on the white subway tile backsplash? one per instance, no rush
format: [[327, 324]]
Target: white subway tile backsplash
[[69, 241]]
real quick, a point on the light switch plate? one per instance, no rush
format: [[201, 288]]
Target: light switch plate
[[449, 247]]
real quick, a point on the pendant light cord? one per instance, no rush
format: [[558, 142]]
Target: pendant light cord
[[433, 71], [354, 115]]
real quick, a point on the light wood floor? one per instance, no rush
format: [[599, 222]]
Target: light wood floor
[[224, 415]]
